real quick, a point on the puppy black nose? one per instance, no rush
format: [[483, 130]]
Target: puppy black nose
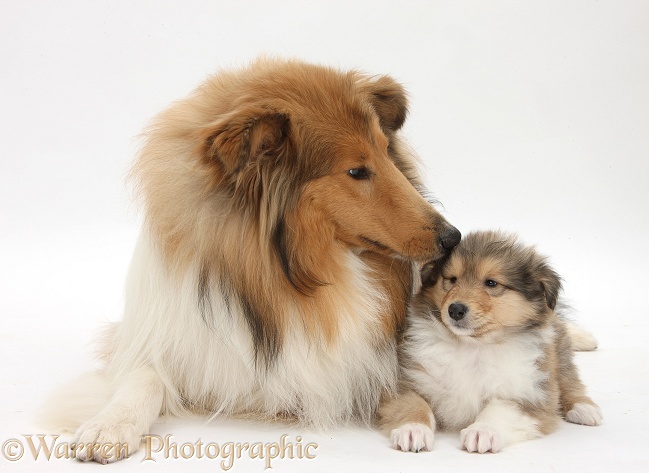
[[450, 237], [457, 310]]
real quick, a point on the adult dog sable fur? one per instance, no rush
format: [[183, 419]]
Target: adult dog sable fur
[[273, 270]]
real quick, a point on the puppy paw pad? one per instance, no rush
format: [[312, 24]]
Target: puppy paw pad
[[413, 437], [585, 414], [481, 438]]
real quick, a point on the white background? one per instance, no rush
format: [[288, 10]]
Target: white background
[[529, 116]]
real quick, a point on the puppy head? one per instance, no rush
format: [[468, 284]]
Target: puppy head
[[491, 285]]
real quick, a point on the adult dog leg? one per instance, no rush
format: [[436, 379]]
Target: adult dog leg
[[116, 431]]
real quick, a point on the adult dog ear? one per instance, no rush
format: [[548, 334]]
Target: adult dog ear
[[551, 284], [389, 100], [244, 137]]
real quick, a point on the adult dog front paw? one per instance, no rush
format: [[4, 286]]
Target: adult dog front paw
[[105, 442]]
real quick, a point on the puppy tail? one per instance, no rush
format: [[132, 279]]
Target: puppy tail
[[580, 339], [72, 404]]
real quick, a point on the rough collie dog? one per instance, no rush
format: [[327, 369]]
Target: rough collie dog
[[283, 216], [485, 352]]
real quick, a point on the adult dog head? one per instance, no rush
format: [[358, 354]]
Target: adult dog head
[[308, 154]]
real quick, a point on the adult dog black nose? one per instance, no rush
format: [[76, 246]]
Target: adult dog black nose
[[457, 310], [450, 237]]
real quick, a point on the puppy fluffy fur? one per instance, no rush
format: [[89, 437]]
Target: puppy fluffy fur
[[283, 214], [485, 353]]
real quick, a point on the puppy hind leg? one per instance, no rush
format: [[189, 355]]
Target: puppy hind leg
[[576, 406], [499, 424], [116, 431], [585, 413], [409, 422]]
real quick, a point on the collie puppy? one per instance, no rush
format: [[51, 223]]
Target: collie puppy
[[485, 353], [283, 217]]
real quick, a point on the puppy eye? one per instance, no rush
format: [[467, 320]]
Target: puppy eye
[[490, 283], [359, 174], [452, 279]]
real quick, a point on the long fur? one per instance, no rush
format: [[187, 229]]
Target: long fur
[[283, 216], [485, 353]]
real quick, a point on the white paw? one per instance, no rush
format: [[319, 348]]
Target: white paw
[[105, 442], [480, 437], [585, 414], [412, 437]]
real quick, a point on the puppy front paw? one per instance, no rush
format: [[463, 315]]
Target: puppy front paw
[[413, 437], [480, 437], [105, 442], [584, 414]]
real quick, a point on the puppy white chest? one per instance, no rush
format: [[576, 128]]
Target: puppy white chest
[[460, 376]]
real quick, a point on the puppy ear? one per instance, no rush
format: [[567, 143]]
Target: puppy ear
[[244, 137], [431, 271], [389, 101], [551, 284]]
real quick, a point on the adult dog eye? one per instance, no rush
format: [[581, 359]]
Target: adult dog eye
[[490, 283], [452, 280], [359, 174]]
